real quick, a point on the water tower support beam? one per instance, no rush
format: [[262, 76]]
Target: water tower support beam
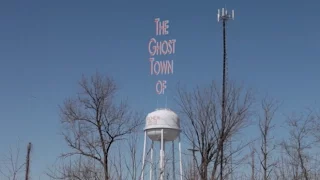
[[164, 160], [181, 175], [144, 154], [173, 163], [151, 161], [162, 157]]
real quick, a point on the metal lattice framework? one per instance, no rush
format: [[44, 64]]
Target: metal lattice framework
[[224, 17]]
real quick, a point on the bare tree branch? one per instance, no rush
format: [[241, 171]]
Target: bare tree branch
[[12, 165], [94, 121], [299, 142], [201, 108], [269, 107]]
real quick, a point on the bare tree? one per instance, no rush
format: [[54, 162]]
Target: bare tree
[[127, 165], [283, 169], [84, 169], [252, 163], [117, 162], [134, 161], [190, 173], [299, 143], [269, 108], [12, 165], [202, 109], [103, 121]]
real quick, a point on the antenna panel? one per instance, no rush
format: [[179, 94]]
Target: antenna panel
[[222, 13], [232, 14], [218, 16]]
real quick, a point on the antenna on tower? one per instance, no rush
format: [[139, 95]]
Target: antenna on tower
[[224, 16]]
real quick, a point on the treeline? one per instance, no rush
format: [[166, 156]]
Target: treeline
[[102, 134]]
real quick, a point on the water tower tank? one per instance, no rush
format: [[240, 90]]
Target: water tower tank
[[162, 119]]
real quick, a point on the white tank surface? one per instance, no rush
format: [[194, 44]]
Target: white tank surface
[[164, 119]]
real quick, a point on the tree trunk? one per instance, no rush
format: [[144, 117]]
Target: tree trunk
[[106, 168]]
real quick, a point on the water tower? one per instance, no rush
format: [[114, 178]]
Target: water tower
[[162, 125]]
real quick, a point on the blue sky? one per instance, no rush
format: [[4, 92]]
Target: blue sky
[[45, 47]]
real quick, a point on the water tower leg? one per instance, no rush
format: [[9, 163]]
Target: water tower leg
[[144, 154], [151, 160], [164, 160], [173, 163], [162, 157], [181, 174]]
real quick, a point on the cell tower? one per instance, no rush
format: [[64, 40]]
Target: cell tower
[[224, 16], [162, 125]]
